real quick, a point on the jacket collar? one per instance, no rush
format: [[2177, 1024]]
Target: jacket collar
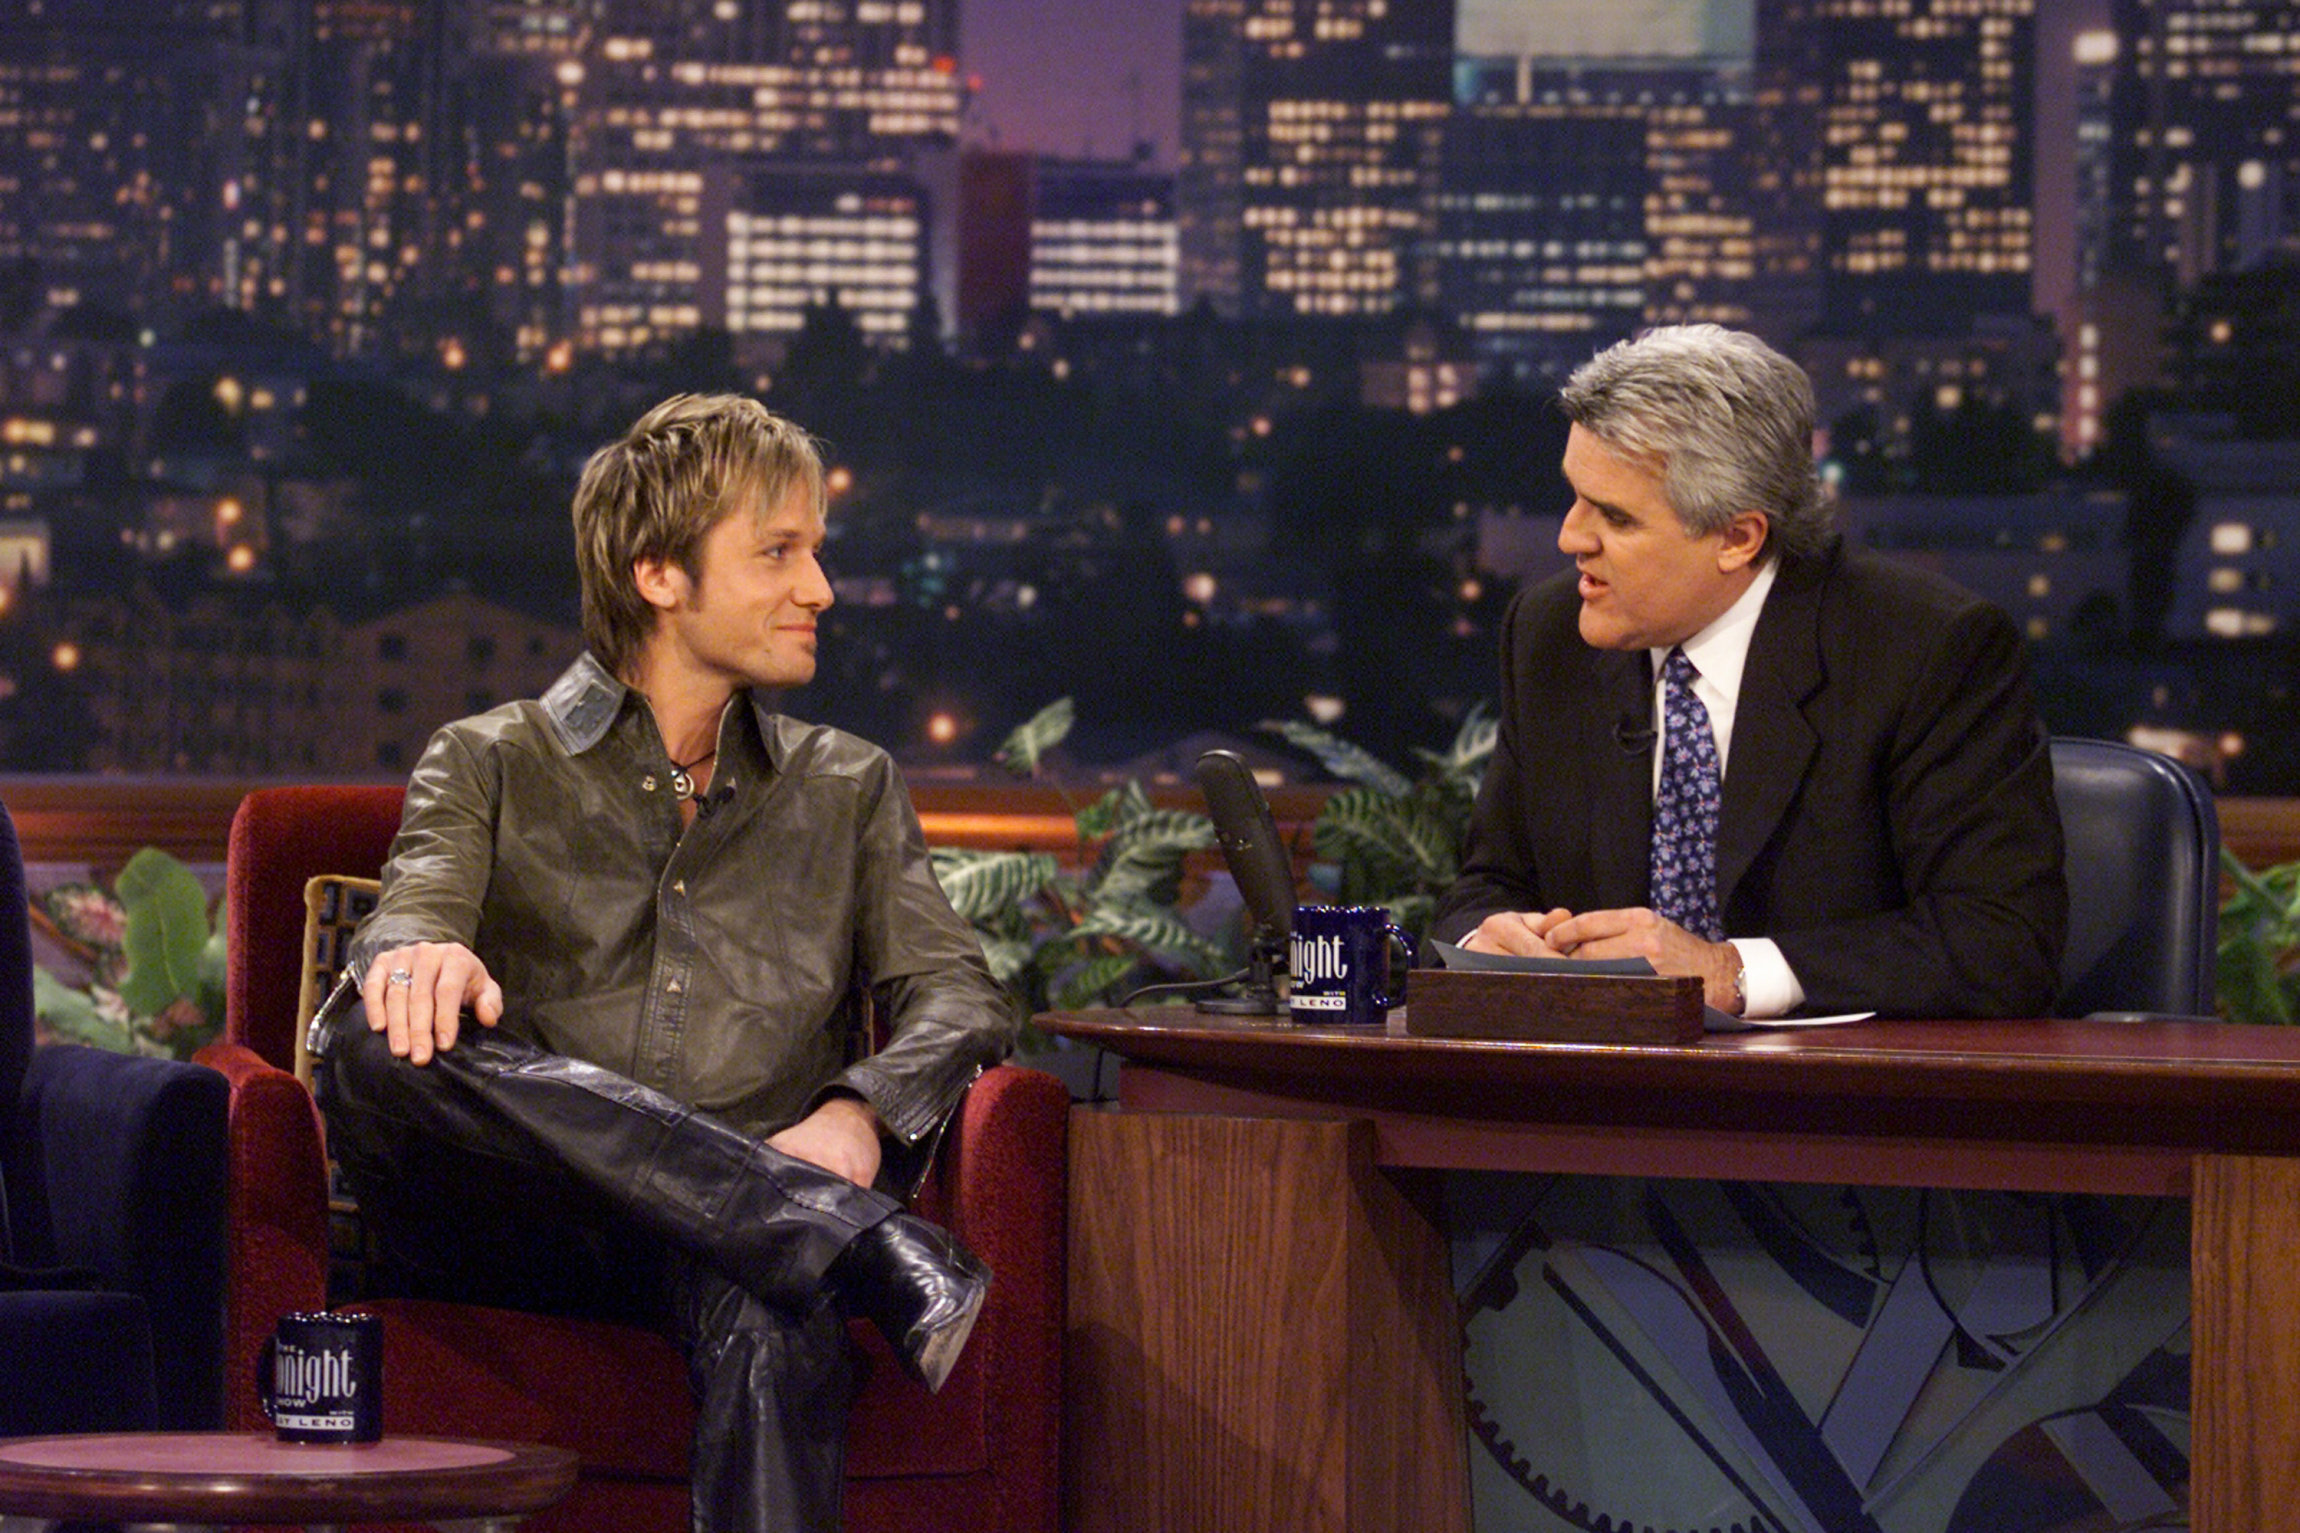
[[584, 703]]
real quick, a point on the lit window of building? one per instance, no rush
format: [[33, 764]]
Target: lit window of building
[[796, 238], [2230, 539], [1103, 239], [1310, 154]]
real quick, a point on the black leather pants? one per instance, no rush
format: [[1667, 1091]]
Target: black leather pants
[[503, 1174]]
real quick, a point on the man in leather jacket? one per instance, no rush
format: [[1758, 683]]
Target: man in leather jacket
[[663, 904]]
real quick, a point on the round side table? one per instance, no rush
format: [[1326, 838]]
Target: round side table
[[220, 1479]]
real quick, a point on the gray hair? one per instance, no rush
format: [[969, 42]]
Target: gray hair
[[1730, 418]]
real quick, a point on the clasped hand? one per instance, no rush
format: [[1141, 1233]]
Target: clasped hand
[[1635, 933]]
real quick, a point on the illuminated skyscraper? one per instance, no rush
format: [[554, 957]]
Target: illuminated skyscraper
[[788, 237], [551, 29], [1209, 183], [670, 93], [1539, 237], [1584, 199], [1633, 182], [346, 203], [2206, 166], [2111, 333], [517, 65], [1701, 217], [1922, 117], [116, 141], [1311, 141], [1102, 239], [2095, 63]]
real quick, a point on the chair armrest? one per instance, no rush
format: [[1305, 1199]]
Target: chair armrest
[[1003, 1173], [1005, 1180], [278, 1244], [120, 1169]]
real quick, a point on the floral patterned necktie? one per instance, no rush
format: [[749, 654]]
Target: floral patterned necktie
[[1684, 881]]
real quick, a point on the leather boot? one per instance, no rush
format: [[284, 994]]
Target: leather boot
[[770, 1222], [919, 1286]]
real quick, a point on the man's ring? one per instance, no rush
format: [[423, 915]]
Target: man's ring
[[401, 977]]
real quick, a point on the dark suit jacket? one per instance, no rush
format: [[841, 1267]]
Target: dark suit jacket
[[1888, 816]]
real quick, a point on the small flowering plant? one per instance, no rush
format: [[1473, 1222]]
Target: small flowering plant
[[151, 956]]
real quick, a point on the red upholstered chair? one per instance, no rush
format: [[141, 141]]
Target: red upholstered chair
[[981, 1454]]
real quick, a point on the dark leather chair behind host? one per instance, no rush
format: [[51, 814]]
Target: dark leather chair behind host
[[111, 1221], [2143, 866]]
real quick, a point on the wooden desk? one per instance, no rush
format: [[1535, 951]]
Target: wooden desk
[[228, 1478], [2207, 1111]]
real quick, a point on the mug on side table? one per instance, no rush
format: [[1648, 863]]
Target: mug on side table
[[1340, 963], [319, 1378]]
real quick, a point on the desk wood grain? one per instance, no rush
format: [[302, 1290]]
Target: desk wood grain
[[2206, 1110]]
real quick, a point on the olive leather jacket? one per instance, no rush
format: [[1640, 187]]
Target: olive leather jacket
[[722, 962]]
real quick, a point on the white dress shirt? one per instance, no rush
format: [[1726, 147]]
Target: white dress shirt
[[1719, 653]]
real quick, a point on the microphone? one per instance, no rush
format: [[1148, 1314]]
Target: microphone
[[1260, 866], [1249, 841], [1634, 732]]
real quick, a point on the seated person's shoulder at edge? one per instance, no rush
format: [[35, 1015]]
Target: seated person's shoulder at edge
[[519, 725], [1880, 589], [823, 750]]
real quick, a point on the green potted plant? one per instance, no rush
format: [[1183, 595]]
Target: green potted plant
[[1389, 839], [152, 954], [2258, 973], [1066, 937]]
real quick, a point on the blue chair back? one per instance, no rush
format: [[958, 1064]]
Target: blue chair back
[[2143, 865], [15, 996], [113, 1230]]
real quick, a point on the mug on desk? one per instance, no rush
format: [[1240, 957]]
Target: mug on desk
[[1340, 963], [319, 1378]]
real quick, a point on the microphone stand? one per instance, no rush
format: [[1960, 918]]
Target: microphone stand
[[1257, 994]]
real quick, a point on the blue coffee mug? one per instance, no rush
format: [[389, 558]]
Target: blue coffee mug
[[319, 1378], [1340, 963]]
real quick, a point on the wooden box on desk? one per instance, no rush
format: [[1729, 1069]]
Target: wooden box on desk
[[1553, 1008]]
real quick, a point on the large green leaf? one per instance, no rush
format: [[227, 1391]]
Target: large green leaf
[[2259, 930], [1396, 833], [1463, 762], [2248, 986], [1350, 762], [1034, 737], [167, 929], [1008, 958], [1114, 810], [1143, 860], [72, 1015], [1089, 983], [1150, 929], [980, 884]]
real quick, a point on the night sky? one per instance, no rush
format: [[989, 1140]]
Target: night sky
[[1054, 75]]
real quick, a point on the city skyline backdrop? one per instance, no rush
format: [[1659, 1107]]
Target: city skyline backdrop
[[1158, 346]]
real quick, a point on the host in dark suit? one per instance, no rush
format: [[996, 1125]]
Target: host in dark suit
[[1880, 812]]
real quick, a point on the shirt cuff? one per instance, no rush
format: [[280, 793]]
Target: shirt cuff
[[1768, 984]]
